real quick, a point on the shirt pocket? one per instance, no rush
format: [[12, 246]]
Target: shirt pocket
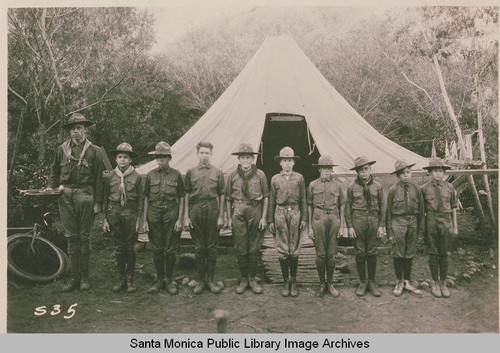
[[254, 188], [318, 196], [171, 188], [85, 170], [154, 186], [358, 197]]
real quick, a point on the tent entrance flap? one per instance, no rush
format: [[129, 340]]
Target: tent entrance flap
[[282, 130]]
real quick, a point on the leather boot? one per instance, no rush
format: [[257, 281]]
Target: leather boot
[[74, 281], [294, 263], [158, 286], [435, 290], [200, 267], [211, 274], [329, 277], [171, 287], [242, 287], [332, 290], [445, 292], [122, 265], [243, 265], [398, 289], [84, 269], [321, 290], [120, 285], [131, 288], [199, 287], [285, 291], [361, 290], [254, 286], [372, 286]]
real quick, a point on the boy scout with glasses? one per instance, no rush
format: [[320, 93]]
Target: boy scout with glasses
[[122, 206], [365, 217], [440, 201], [247, 200], [287, 217], [164, 206], [204, 215], [326, 210], [404, 224], [77, 171]]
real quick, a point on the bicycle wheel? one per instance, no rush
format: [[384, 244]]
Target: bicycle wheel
[[41, 262]]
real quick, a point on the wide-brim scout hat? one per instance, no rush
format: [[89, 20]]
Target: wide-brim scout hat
[[361, 161], [244, 148], [401, 164], [286, 153], [77, 118], [161, 149], [437, 163], [124, 148], [325, 162]]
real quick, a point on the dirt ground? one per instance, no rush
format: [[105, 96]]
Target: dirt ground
[[472, 307]]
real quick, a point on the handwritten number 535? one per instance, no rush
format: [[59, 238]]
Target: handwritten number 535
[[56, 309]]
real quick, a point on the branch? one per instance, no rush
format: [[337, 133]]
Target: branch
[[18, 95], [90, 105]]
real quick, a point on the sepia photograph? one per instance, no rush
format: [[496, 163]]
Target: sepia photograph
[[252, 169]]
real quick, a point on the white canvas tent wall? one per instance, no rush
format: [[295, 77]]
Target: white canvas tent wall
[[281, 79]]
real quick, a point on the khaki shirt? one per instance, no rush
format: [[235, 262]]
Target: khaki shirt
[[326, 195], [132, 188], [257, 187], [164, 185], [204, 183], [356, 200], [287, 190], [403, 201], [448, 196]]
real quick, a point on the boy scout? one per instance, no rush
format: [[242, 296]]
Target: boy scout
[[287, 217], [404, 224], [247, 199], [365, 216], [440, 200], [164, 206], [77, 171], [122, 205], [326, 207], [204, 215]]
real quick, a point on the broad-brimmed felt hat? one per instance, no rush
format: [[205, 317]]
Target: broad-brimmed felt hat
[[361, 161], [244, 148], [325, 161], [77, 118], [437, 163], [161, 149], [286, 153], [124, 148], [401, 164]]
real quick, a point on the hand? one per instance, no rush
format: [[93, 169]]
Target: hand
[[302, 225], [137, 225], [380, 232], [187, 223], [61, 187], [392, 240], [145, 227], [229, 223], [262, 223], [178, 226], [105, 226], [352, 233], [271, 228], [311, 233], [341, 232], [97, 208], [48, 188], [220, 222]]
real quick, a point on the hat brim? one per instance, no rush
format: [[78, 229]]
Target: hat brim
[[279, 158], [324, 165], [445, 167], [361, 165], [156, 154], [86, 123], [241, 153], [407, 166], [131, 154]]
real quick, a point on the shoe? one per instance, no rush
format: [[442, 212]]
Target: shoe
[[321, 290], [84, 284], [445, 292], [435, 290], [242, 287], [333, 291], [285, 291], [199, 287], [409, 287], [213, 288], [372, 286], [294, 291], [131, 288], [71, 285], [159, 285], [361, 290], [255, 286], [399, 287], [120, 285], [171, 288]]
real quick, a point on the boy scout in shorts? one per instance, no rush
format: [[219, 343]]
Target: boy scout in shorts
[[440, 201], [77, 171], [247, 200], [204, 215], [326, 210], [365, 217], [122, 205], [164, 206], [404, 224], [287, 217]]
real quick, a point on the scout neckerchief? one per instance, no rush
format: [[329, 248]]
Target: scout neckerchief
[[405, 186], [123, 193], [67, 152], [437, 186], [366, 191], [246, 176]]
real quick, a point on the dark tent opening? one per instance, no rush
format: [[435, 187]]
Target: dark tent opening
[[282, 130]]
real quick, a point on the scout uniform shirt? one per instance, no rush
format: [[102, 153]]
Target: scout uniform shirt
[[112, 193], [325, 195], [288, 191], [163, 186], [404, 199], [368, 199], [257, 187], [440, 197], [204, 183]]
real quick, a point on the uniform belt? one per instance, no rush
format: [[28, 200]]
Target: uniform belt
[[327, 211], [439, 213], [366, 211], [194, 202], [77, 186], [288, 204], [404, 215], [168, 203], [248, 202]]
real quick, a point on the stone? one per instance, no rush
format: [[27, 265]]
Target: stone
[[185, 281]]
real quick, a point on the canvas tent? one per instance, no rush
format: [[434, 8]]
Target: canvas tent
[[280, 98]]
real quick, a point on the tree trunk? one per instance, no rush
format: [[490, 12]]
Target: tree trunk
[[16, 145]]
